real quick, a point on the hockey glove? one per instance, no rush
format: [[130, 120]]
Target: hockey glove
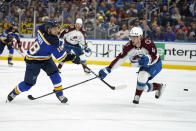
[[76, 60], [103, 72], [143, 61], [87, 50], [72, 57]]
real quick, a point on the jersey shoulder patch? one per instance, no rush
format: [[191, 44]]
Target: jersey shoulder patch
[[148, 41]]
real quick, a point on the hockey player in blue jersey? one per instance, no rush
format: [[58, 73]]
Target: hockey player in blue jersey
[[10, 34], [39, 57]]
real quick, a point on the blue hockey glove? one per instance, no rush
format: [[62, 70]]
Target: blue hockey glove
[[72, 57], [143, 61], [76, 60], [87, 50], [103, 72]]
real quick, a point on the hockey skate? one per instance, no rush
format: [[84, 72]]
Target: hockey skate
[[10, 63], [160, 91], [10, 97], [62, 98], [136, 99]]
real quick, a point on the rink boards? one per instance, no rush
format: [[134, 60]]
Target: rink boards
[[175, 55]]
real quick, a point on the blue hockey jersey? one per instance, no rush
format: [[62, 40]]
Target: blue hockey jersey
[[45, 45]]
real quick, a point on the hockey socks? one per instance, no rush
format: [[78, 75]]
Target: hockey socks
[[56, 80], [17, 90]]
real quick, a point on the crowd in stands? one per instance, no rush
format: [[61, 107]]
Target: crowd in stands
[[162, 20]]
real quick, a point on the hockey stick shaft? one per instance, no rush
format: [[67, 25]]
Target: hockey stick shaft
[[111, 87], [34, 98]]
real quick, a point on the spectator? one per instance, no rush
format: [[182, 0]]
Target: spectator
[[73, 11], [69, 20], [65, 13], [102, 7], [112, 22], [176, 15], [181, 26], [169, 35], [174, 7], [88, 25], [131, 13], [166, 19], [192, 8], [184, 12], [158, 34], [164, 11], [180, 35], [121, 14], [111, 12], [192, 37], [123, 34], [10, 17], [101, 24]]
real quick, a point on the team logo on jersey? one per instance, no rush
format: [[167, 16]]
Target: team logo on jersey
[[153, 50]]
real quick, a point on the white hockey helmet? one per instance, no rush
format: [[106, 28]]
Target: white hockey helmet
[[79, 21], [136, 31]]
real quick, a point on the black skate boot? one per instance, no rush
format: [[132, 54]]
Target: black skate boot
[[62, 99], [160, 91], [136, 99], [10, 63], [10, 97]]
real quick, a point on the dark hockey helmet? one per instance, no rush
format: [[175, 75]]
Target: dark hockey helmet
[[50, 24]]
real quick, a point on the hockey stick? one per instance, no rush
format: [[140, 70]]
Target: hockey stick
[[34, 98], [111, 87]]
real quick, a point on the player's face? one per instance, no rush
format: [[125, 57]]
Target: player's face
[[78, 26], [135, 40], [54, 31], [15, 27]]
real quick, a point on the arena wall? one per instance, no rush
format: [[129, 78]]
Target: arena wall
[[175, 55]]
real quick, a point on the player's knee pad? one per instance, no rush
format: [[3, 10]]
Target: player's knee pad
[[22, 86], [56, 79], [142, 78]]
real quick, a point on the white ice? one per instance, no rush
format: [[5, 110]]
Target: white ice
[[94, 107]]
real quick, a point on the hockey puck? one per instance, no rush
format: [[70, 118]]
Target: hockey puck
[[185, 89]]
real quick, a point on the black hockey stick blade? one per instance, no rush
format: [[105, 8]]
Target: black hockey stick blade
[[31, 97]]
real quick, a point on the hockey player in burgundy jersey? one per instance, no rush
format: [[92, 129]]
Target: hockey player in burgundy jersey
[[74, 37], [143, 53]]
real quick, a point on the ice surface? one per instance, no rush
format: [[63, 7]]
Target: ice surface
[[94, 107]]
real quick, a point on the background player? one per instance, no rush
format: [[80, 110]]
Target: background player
[[39, 57], [74, 37], [10, 33], [143, 52]]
